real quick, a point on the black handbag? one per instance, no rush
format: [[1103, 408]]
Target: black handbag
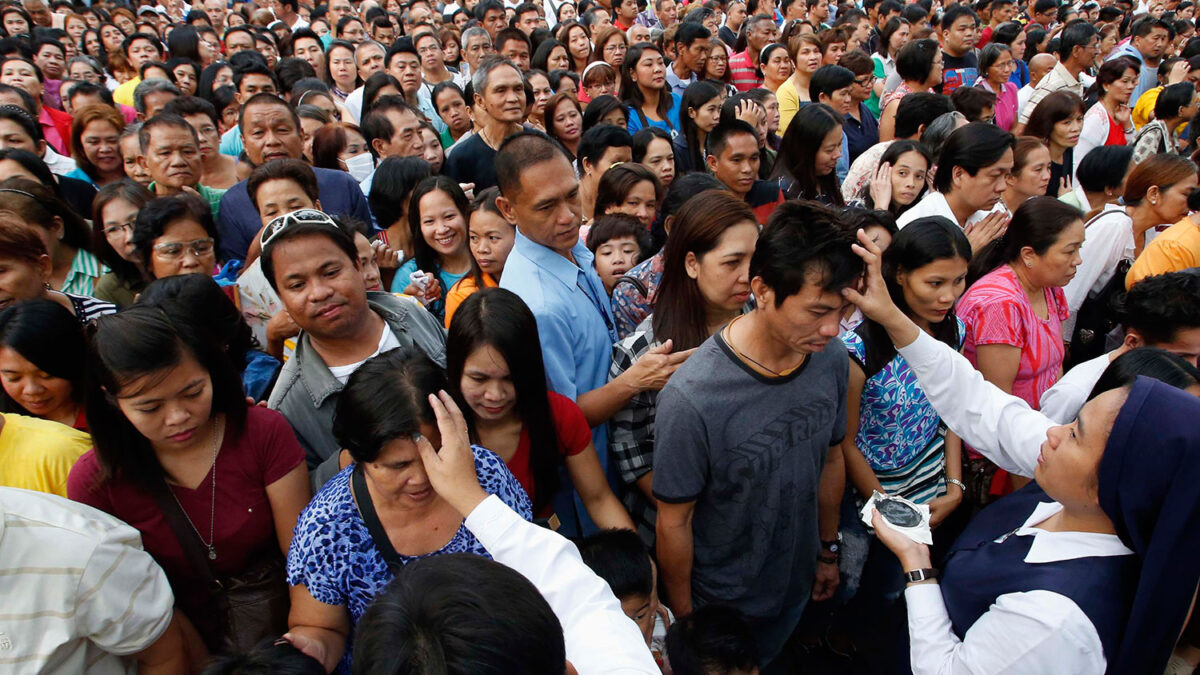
[[1096, 319], [246, 607]]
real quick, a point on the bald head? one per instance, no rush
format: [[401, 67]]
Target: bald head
[[1039, 65]]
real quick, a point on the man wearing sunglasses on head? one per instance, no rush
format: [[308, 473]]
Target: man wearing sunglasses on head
[[313, 266]]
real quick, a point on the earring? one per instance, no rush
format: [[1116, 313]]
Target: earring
[[1029, 264]]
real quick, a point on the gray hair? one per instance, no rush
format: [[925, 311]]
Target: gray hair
[[91, 63], [474, 32], [489, 63], [940, 129], [369, 43], [151, 86]]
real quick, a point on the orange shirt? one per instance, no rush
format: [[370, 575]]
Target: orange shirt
[[1176, 248], [462, 290]]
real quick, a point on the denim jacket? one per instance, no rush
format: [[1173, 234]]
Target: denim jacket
[[307, 392]]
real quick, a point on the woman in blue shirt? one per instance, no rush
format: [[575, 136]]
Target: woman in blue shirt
[[438, 212], [644, 89], [380, 513]]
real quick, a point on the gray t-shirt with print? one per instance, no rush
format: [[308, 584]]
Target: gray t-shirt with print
[[749, 450]]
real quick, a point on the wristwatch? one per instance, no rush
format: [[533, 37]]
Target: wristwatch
[[954, 481], [833, 546], [923, 574]]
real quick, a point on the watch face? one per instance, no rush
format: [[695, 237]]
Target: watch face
[[898, 513]]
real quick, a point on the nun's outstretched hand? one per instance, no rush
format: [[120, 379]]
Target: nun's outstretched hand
[[872, 295]]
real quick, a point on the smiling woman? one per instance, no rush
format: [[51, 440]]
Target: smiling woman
[[95, 136], [41, 362]]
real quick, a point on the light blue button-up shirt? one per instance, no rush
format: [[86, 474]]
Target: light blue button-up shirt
[[574, 319]]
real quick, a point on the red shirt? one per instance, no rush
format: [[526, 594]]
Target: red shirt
[[245, 529], [743, 72], [574, 435]]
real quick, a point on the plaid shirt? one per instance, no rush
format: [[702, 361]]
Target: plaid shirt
[[634, 293], [631, 432]]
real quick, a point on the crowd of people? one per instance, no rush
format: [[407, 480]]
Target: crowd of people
[[562, 336]]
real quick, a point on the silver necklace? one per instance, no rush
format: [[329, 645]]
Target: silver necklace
[[212, 552]]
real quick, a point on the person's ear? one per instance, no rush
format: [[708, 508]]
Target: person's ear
[[762, 292], [507, 210], [668, 223], [691, 265], [957, 176], [141, 162], [380, 146], [317, 205], [1133, 339], [711, 161], [1028, 256], [1153, 195], [45, 267]]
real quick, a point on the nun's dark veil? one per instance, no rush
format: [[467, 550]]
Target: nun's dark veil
[[1149, 486]]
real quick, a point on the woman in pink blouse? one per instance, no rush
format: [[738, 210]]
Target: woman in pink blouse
[[996, 66], [1014, 311]]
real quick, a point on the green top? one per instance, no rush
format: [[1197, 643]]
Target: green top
[[110, 288], [210, 195]]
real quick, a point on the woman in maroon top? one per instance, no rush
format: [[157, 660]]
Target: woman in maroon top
[[169, 421], [497, 377]]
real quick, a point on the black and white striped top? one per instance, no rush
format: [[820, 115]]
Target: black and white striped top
[[88, 308]]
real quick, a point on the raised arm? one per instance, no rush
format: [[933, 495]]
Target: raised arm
[[1002, 427]]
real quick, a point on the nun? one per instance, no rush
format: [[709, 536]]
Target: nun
[[1092, 567]]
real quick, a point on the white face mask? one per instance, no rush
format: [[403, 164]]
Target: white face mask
[[360, 166]]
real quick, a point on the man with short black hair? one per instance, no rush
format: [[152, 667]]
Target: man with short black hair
[[313, 265], [139, 48], [1150, 40], [513, 45], [960, 64], [691, 42], [287, 12], [369, 59], [307, 45], [490, 14], [272, 130], [391, 129], [733, 157], [1002, 11], [818, 13], [1161, 311], [170, 153], [1079, 45], [238, 39], [526, 18], [777, 379], [552, 271]]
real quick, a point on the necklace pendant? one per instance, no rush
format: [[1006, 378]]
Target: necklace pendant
[[212, 553]]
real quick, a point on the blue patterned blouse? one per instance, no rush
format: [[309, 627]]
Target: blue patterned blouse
[[332, 553], [895, 420]]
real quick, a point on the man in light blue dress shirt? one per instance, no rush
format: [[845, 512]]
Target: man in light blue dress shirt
[[551, 270]]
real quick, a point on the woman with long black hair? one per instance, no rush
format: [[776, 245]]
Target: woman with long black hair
[[500, 385], [644, 90], [42, 362], [175, 445], [699, 113], [808, 155]]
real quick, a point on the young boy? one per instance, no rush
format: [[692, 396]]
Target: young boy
[[621, 559], [620, 242]]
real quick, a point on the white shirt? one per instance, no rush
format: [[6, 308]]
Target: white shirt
[[79, 591], [1108, 240], [1094, 134], [387, 342], [599, 637], [935, 204], [354, 104], [58, 164], [1032, 632], [1062, 402], [1023, 96]]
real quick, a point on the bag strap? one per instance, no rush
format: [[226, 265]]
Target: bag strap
[[193, 550], [367, 508]]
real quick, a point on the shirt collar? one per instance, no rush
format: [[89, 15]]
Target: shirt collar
[[1048, 547], [1065, 74], [317, 378], [562, 269]]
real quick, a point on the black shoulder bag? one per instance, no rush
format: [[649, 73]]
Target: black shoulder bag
[[246, 607]]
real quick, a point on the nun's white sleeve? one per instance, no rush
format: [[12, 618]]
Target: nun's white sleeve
[[599, 638], [1000, 426]]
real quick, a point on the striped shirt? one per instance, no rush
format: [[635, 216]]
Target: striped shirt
[[743, 72], [86, 268], [79, 591], [88, 308]]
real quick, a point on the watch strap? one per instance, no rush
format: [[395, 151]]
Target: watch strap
[[923, 574]]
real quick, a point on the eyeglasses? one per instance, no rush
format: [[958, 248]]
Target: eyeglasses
[[865, 80], [614, 48], [308, 216], [114, 230], [173, 250]]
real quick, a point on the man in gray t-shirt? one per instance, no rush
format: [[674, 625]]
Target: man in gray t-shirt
[[746, 471]]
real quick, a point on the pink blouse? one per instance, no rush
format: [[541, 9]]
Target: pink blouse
[[997, 312]]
